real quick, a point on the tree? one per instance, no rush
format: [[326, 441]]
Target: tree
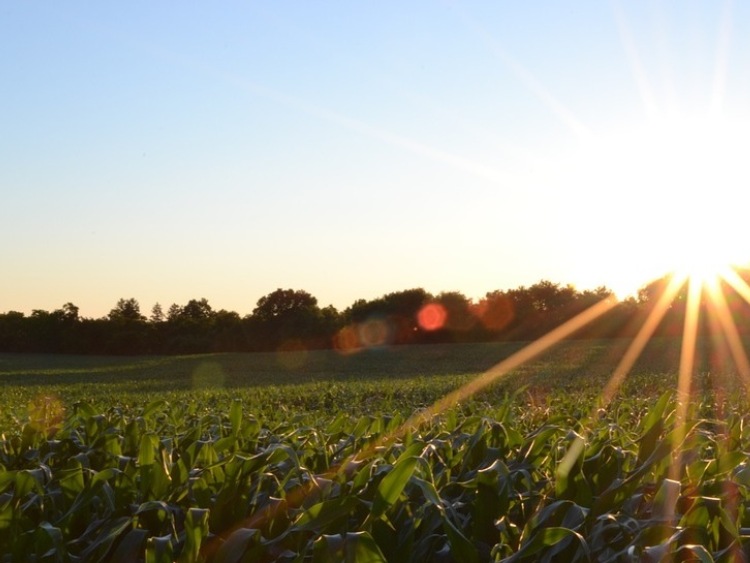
[[458, 309], [284, 303], [188, 329], [407, 303], [197, 310], [157, 315], [650, 293], [284, 315], [227, 333], [398, 311], [547, 296], [495, 311], [126, 310], [174, 312], [70, 312], [13, 332]]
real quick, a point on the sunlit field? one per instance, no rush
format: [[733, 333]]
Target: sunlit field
[[439, 155], [376, 456]]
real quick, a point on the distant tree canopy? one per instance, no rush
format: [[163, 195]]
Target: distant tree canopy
[[287, 316], [292, 319], [126, 311]]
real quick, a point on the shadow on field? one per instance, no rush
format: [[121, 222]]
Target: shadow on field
[[569, 362]]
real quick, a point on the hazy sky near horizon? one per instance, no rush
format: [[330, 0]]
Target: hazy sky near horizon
[[169, 151]]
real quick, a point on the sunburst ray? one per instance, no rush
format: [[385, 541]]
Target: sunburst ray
[[684, 381], [655, 316], [730, 332]]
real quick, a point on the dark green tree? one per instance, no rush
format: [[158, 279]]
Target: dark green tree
[[157, 314], [284, 303], [197, 310], [126, 310], [284, 315], [174, 311], [70, 313]]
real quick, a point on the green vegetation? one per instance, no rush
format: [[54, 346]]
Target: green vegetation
[[292, 320], [305, 456]]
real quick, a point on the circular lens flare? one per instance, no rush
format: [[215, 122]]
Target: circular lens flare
[[432, 317]]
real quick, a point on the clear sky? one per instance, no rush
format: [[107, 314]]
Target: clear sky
[[176, 150]]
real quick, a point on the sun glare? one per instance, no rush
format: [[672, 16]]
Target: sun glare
[[677, 190], [701, 262]]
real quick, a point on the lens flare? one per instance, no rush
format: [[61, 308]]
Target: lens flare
[[46, 413], [292, 354], [432, 317], [208, 375], [495, 312], [346, 340], [375, 332]]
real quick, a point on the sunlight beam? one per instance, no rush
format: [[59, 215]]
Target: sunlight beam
[[639, 75], [565, 115], [358, 126], [718, 87], [505, 366], [687, 365], [372, 131], [624, 366], [729, 328], [644, 335], [491, 375], [737, 283]]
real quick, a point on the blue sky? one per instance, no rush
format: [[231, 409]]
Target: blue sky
[[170, 151]]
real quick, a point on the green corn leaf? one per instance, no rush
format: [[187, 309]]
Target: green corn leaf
[[460, 547], [154, 407], [653, 427], [8, 478], [130, 547], [239, 546], [321, 515], [49, 541], [691, 552], [390, 488], [666, 498], [26, 482], [6, 514], [159, 549], [235, 416], [146, 455], [352, 547], [196, 530], [545, 539], [107, 535]]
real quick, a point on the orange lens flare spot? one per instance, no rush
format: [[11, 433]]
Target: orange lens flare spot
[[208, 375], [432, 317], [375, 332], [495, 312], [347, 340], [46, 413], [292, 354]]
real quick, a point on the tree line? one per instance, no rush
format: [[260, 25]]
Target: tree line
[[288, 319]]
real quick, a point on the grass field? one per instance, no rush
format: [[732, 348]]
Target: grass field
[[313, 457]]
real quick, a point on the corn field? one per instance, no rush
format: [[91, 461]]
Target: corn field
[[315, 472]]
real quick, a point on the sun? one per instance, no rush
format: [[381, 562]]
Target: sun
[[697, 167], [702, 263], [704, 250], [672, 195]]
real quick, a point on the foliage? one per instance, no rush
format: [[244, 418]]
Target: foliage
[[292, 319], [126, 310], [317, 467]]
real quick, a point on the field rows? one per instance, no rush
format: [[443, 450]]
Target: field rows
[[329, 471]]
